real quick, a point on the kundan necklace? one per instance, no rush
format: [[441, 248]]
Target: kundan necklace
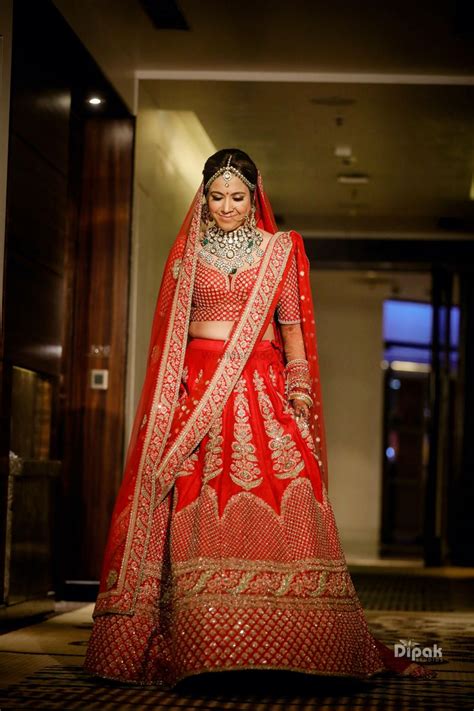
[[229, 250]]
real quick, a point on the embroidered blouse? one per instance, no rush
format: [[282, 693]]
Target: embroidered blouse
[[217, 297]]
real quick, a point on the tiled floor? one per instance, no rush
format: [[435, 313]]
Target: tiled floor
[[41, 665]]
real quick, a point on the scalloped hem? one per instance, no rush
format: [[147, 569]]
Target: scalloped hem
[[211, 670]]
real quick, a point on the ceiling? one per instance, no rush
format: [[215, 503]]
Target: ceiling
[[426, 36], [409, 121], [415, 143]]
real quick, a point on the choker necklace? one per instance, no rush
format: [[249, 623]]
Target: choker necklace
[[229, 250]]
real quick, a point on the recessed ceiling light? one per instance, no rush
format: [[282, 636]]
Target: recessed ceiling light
[[94, 100], [353, 178]]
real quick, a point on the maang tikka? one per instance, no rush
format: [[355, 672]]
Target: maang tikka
[[227, 171]]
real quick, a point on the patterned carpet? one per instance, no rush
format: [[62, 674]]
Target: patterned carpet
[[41, 668], [423, 593]]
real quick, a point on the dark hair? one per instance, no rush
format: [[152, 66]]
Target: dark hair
[[239, 160]]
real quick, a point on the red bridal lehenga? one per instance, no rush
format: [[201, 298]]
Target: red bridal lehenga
[[223, 552]]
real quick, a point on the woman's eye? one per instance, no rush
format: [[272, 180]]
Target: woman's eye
[[238, 199]]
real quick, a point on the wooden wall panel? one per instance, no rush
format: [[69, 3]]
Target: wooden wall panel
[[66, 282], [34, 317], [100, 317], [36, 215], [34, 284], [41, 104]]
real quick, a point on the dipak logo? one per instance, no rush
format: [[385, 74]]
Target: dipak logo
[[413, 650]]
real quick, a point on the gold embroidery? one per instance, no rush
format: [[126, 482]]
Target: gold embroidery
[[301, 486], [287, 459], [213, 455], [244, 336], [303, 427], [301, 581], [241, 565], [154, 475], [233, 602], [187, 466], [273, 376], [175, 268], [111, 578], [198, 377], [244, 469]]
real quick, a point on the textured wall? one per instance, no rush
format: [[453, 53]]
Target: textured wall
[[171, 147]]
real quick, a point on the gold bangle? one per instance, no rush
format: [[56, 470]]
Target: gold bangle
[[301, 396]]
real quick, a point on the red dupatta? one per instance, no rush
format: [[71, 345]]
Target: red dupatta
[[158, 442]]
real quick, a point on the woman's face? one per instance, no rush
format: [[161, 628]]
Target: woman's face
[[229, 206]]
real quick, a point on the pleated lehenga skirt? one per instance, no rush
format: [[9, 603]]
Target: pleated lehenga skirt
[[251, 573]]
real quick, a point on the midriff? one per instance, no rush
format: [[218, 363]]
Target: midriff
[[219, 330]]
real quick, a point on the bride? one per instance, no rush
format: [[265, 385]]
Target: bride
[[223, 552]]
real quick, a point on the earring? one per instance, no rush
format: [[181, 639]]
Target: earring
[[250, 220], [206, 215]]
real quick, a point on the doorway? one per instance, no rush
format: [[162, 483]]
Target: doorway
[[407, 334]]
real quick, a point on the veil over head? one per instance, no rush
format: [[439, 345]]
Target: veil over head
[[152, 439]]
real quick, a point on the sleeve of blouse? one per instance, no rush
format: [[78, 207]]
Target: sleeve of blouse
[[288, 308]]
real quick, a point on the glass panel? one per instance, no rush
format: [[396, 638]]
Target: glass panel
[[406, 402], [31, 414], [407, 326], [413, 355], [453, 326], [407, 321]]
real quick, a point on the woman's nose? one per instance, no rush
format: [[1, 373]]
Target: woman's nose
[[227, 205]]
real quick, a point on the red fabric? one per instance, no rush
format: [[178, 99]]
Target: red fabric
[[288, 309], [247, 570], [227, 579], [217, 297], [257, 444], [154, 430]]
